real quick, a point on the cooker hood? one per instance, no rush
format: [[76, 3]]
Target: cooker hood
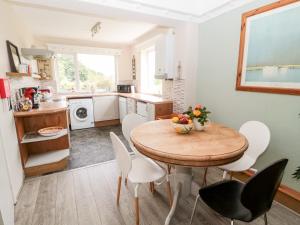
[[33, 53]]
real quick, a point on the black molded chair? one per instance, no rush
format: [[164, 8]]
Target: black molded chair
[[244, 202]]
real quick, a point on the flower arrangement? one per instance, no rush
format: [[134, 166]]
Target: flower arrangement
[[182, 123], [199, 112]]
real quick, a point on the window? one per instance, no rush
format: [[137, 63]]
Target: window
[[66, 72], [85, 72], [149, 84]]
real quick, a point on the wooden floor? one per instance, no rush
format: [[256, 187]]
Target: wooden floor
[[87, 196]]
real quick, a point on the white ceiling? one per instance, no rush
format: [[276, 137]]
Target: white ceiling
[[123, 21], [45, 23], [182, 10]]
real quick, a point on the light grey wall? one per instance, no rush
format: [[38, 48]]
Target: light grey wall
[[218, 56]]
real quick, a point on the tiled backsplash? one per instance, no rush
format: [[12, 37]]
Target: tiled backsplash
[[178, 96], [174, 89]]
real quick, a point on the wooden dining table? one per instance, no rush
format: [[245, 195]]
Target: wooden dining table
[[215, 146]]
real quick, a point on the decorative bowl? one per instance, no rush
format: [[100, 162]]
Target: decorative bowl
[[50, 131], [182, 128]]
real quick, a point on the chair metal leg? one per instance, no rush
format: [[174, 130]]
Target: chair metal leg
[[194, 209], [136, 205], [232, 222], [204, 177], [126, 181], [266, 219]]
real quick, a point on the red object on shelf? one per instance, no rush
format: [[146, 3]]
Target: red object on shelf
[[29, 93], [4, 88]]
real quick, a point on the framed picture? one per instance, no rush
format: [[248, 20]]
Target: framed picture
[[269, 54], [13, 56]]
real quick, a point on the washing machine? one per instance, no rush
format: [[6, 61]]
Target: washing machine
[[81, 113]]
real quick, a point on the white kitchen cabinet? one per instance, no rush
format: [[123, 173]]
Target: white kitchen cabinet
[[122, 108], [106, 108], [164, 56], [131, 105], [151, 111], [142, 109], [146, 110]]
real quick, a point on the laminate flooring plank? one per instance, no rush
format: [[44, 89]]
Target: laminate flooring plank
[[44, 212], [87, 196], [87, 213], [126, 207], [107, 209], [26, 202], [66, 212]]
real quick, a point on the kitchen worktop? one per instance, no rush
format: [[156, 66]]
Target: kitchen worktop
[[45, 108], [137, 96]]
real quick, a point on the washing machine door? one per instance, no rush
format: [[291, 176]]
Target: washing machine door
[[80, 113]]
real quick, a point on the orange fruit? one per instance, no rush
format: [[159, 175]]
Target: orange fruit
[[175, 119]]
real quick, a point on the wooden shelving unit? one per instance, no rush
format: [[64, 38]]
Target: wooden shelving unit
[[13, 74], [41, 154], [34, 137]]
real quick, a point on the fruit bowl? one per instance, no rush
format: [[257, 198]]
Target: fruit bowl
[[182, 124], [182, 128]]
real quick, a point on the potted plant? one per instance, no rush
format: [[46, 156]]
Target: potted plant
[[199, 115], [296, 174]]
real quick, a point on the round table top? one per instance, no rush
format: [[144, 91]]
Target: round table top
[[217, 145]]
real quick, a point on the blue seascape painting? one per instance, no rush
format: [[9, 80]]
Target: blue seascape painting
[[273, 48]]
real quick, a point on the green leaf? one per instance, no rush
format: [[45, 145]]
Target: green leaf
[[296, 174]]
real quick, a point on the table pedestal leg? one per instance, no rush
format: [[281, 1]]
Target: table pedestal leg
[[183, 184]]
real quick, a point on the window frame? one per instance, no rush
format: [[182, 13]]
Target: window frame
[[76, 69], [146, 51]]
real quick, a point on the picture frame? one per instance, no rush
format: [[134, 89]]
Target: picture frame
[[269, 53], [13, 56]]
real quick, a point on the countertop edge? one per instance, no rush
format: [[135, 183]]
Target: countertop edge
[[126, 95]]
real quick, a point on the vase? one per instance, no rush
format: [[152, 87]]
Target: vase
[[197, 125]]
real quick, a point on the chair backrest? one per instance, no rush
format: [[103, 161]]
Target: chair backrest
[[260, 190], [122, 155], [258, 136], [129, 122]]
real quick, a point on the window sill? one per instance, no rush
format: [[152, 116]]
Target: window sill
[[147, 93]]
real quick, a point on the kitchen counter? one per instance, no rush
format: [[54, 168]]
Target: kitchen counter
[[45, 108], [146, 98], [137, 96]]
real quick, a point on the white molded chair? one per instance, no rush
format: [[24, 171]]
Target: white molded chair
[[139, 170], [258, 136], [129, 122]]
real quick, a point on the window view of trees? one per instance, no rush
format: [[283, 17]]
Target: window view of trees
[[95, 72], [66, 72]]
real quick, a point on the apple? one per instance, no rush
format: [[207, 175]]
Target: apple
[[184, 120]]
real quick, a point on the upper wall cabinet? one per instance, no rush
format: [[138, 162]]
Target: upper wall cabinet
[[164, 56]]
